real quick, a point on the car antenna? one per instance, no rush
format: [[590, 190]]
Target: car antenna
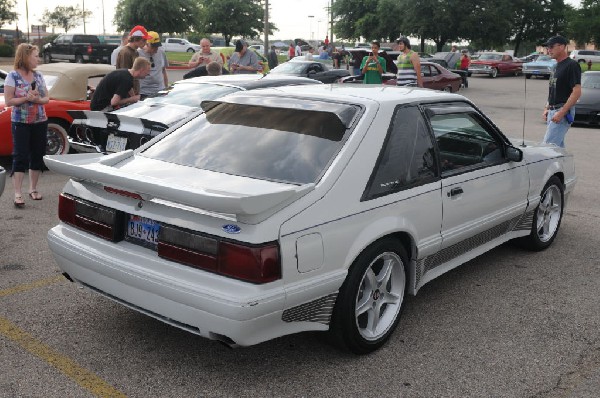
[[524, 110]]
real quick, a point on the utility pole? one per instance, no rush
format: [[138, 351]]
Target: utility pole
[[331, 20], [27, 18], [266, 28], [83, 1]]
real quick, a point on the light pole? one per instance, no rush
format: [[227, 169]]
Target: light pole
[[83, 2], [310, 32], [103, 25], [27, 18]]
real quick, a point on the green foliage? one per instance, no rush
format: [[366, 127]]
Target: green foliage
[[233, 18], [6, 50], [66, 17], [171, 16], [7, 15], [584, 23]]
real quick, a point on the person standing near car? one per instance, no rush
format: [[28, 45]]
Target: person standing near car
[[243, 61], [116, 51], [157, 79], [205, 55], [291, 52], [465, 61], [116, 88], [373, 66], [298, 50], [409, 65], [272, 58], [25, 91], [563, 93], [137, 39]]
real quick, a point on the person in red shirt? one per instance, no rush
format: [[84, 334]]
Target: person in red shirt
[[326, 42], [291, 51], [465, 61]]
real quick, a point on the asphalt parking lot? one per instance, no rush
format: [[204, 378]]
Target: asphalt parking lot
[[510, 323]]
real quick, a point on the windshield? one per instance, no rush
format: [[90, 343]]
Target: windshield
[[545, 58], [276, 144], [490, 57], [289, 67], [589, 80], [192, 94]]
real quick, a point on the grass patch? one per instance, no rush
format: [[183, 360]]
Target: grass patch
[[595, 67], [177, 57]]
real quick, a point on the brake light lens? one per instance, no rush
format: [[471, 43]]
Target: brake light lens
[[256, 264], [89, 49], [90, 217]]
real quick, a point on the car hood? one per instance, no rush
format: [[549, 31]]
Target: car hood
[[589, 97], [154, 179], [135, 118], [549, 64]]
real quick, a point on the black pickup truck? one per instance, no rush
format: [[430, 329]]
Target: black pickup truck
[[78, 48]]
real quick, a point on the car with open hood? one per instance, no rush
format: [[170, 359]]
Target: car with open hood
[[132, 126], [303, 208], [70, 87]]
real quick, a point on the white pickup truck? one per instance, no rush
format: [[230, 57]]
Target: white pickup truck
[[180, 45]]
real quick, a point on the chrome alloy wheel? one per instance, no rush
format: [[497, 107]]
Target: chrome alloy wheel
[[549, 213], [380, 296]]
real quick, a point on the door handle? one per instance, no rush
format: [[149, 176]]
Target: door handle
[[455, 191]]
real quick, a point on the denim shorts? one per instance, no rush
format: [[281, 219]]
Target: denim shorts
[[29, 146], [556, 132]]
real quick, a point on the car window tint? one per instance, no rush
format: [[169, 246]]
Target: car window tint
[[425, 70], [407, 158], [277, 144], [434, 71], [463, 142], [192, 94]]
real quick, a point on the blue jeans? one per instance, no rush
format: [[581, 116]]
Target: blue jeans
[[29, 146], [555, 132]]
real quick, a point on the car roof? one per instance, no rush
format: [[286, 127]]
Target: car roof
[[352, 93], [250, 82], [72, 81]]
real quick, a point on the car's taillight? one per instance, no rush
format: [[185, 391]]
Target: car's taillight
[[251, 263], [89, 49], [90, 217]]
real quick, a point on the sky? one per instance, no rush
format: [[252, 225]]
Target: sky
[[291, 17]]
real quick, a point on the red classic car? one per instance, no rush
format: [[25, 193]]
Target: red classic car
[[435, 77], [69, 89], [494, 64]]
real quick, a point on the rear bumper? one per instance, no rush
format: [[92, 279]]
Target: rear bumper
[[200, 302]]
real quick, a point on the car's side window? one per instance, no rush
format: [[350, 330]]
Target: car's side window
[[464, 142], [407, 158], [425, 71], [434, 71]]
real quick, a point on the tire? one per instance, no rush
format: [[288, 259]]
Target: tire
[[494, 73], [57, 137], [78, 59], [369, 303], [190, 50], [547, 217], [47, 58], [527, 76]]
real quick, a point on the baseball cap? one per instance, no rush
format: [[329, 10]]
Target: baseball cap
[[556, 40], [154, 39], [139, 31], [239, 45]]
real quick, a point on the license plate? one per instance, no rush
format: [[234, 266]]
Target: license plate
[[142, 231], [536, 72], [115, 143]]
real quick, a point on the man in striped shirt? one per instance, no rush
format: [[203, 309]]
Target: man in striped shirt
[[409, 65]]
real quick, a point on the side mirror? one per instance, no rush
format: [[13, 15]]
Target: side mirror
[[514, 154]]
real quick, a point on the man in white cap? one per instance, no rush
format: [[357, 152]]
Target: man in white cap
[[205, 55], [243, 61], [157, 79], [128, 54]]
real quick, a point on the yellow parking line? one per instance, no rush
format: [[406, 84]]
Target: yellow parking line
[[30, 286], [81, 376]]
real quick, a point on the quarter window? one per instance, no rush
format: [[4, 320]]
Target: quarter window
[[407, 158], [464, 142]]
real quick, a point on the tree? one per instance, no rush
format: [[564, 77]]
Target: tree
[[584, 23], [233, 18], [370, 19], [7, 15], [172, 16], [66, 17]]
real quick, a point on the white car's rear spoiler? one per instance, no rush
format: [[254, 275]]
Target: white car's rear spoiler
[[98, 168]]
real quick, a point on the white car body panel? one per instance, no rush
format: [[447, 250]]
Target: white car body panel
[[321, 227]]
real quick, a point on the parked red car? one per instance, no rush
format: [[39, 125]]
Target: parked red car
[[69, 89], [494, 64]]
